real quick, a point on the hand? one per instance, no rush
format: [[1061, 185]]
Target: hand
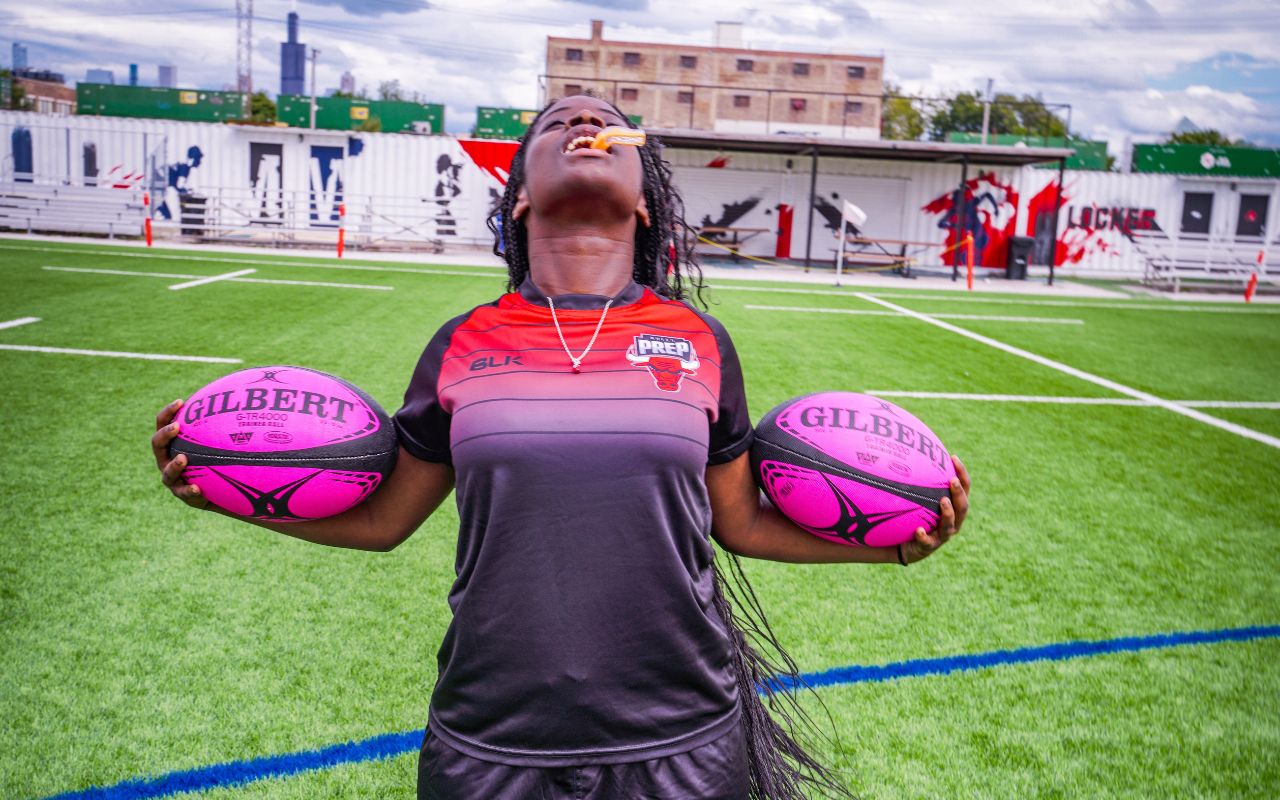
[[171, 469], [953, 511]]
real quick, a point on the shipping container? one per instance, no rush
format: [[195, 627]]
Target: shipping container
[[1207, 161], [510, 123], [443, 188], [187, 105], [356, 114]]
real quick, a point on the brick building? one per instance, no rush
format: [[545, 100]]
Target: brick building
[[727, 88], [48, 97]]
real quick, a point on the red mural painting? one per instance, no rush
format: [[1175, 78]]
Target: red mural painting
[[492, 157], [990, 215]]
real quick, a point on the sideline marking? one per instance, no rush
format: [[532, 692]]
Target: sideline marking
[[13, 323], [26, 348], [133, 274], [1118, 388], [866, 313], [495, 272], [391, 745], [1081, 401], [212, 279], [1216, 308]]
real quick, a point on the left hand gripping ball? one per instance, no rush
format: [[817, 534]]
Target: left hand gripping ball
[[284, 444], [851, 468]]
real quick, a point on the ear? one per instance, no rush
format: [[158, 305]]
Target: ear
[[642, 211], [522, 203]]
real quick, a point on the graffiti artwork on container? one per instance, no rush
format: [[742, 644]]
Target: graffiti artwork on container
[[448, 187], [326, 185], [178, 182], [730, 213], [1090, 228], [990, 208], [493, 159], [266, 181]]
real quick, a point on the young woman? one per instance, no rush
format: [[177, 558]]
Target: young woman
[[595, 428]]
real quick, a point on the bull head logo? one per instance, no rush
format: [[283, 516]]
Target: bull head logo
[[667, 358]]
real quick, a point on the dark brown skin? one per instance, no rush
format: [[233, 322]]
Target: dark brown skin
[[581, 212]]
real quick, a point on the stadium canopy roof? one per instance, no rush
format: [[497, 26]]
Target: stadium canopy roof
[[799, 145]]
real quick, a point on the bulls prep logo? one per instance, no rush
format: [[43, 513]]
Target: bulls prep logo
[[667, 358]]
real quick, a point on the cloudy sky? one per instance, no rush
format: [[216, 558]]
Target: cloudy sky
[[1128, 68]]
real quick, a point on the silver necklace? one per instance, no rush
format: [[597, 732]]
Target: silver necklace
[[577, 361]]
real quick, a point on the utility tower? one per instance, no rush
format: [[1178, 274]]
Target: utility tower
[[244, 50]]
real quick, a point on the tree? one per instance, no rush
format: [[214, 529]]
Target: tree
[[900, 118], [17, 94], [261, 108], [1209, 137], [390, 90], [1026, 116]]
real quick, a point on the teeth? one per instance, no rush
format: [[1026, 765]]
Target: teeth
[[580, 141]]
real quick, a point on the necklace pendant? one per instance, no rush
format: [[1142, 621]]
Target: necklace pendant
[[577, 368]]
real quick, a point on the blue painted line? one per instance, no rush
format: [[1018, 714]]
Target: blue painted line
[[390, 745]]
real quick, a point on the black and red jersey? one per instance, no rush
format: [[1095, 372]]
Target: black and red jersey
[[583, 628]]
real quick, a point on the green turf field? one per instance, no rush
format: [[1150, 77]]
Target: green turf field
[[139, 637]]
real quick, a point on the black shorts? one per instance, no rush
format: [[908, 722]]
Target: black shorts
[[715, 771]]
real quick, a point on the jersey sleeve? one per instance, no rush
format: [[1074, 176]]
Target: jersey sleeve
[[422, 423], [732, 432]]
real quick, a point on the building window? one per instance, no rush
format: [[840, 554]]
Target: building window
[[630, 59], [742, 101], [688, 62], [571, 89], [856, 72], [746, 65], [852, 107], [799, 104], [573, 54], [800, 68], [684, 97], [630, 94]]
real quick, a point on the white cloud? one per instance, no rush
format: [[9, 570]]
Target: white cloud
[[1100, 56]]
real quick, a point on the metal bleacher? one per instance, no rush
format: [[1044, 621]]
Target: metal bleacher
[[1201, 262], [54, 208]]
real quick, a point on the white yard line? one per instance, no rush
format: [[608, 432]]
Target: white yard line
[[1077, 401], [124, 253], [118, 354], [13, 323], [212, 279], [132, 274], [866, 313], [1200, 306], [1118, 388]]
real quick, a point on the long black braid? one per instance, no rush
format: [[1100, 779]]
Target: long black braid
[[781, 768], [664, 259]]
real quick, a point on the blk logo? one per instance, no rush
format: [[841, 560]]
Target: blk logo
[[667, 358], [240, 437], [270, 375], [491, 362]]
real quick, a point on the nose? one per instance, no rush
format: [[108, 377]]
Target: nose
[[586, 116]]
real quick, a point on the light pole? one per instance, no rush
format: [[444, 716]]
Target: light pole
[[314, 53]]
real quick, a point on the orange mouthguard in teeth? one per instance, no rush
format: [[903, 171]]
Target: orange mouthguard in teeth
[[616, 135]]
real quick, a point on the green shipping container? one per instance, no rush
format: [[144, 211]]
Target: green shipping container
[[352, 114], [188, 105], [1090, 154], [511, 123], [1199, 159]]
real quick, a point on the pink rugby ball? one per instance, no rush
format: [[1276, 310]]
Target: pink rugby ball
[[851, 468], [284, 443]]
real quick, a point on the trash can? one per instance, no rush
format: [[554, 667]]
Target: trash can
[[1020, 248]]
